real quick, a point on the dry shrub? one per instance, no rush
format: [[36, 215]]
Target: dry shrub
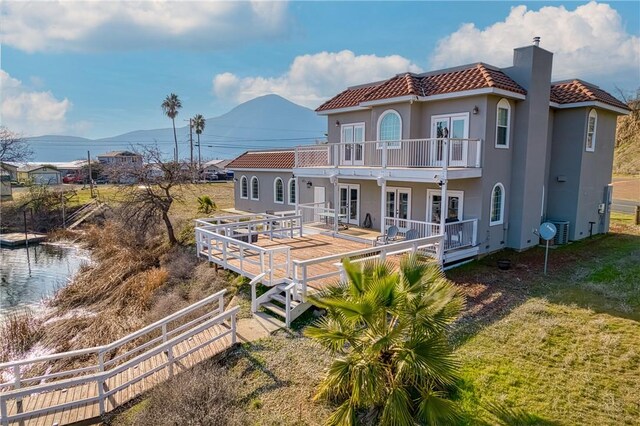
[[205, 395], [180, 263], [164, 305], [19, 331]]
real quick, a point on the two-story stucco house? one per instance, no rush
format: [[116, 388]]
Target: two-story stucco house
[[505, 148]]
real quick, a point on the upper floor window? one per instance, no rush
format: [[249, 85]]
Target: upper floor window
[[278, 191], [390, 128], [592, 124], [292, 191], [503, 118], [497, 205], [244, 187], [255, 189]]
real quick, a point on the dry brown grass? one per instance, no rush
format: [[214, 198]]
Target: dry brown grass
[[19, 331]]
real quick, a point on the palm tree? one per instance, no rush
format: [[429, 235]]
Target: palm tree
[[388, 333], [170, 107], [198, 125]]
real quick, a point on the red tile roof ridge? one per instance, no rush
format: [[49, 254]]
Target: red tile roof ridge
[[486, 74]]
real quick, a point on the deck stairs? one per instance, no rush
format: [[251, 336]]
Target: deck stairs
[[282, 300], [84, 213]]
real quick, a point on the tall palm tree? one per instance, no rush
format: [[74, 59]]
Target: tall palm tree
[[170, 107], [388, 333], [198, 125]]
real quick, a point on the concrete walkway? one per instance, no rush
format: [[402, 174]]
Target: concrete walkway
[[259, 326]]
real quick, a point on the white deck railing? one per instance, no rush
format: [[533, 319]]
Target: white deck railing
[[414, 153], [303, 270], [109, 360], [457, 235], [230, 245]]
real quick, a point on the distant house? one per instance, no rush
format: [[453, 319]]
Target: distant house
[[215, 166], [11, 169], [264, 181], [119, 157], [39, 174]]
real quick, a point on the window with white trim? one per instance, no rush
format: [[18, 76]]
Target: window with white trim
[[278, 191], [255, 188], [244, 187], [292, 191], [497, 205], [592, 124], [390, 128], [503, 120]]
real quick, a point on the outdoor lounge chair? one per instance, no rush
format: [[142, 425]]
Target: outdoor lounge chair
[[391, 235], [412, 234]]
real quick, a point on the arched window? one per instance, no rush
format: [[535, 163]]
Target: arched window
[[255, 189], [278, 191], [292, 191], [503, 120], [497, 205], [592, 124], [390, 128], [244, 187]]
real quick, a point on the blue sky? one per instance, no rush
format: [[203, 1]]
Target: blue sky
[[97, 70]]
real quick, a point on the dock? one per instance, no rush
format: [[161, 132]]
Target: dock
[[17, 239]]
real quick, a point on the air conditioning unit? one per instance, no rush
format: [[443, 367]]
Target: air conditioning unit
[[562, 236]]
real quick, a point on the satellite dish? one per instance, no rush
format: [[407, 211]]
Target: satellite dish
[[547, 231]]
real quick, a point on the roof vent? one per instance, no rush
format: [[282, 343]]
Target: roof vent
[[536, 41]]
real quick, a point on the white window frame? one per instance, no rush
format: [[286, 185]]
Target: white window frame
[[503, 104], [353, 126], [432, 192], [275, 190], [244, 179], [384, 114], [593, 113], [502, 200], [251, 188], [291, 182]]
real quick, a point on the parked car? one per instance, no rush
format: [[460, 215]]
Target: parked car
[[72, 178], [210, 176]]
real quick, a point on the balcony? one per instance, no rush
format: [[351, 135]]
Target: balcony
[[399, 158]]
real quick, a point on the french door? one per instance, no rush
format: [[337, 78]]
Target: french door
[[398, 206], [455, 127], [352, 151], [455, 204], [349, 203]]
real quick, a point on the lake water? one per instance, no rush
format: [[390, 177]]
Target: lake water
[[27, 280]]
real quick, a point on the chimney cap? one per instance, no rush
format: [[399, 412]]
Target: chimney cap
[[536, 41]]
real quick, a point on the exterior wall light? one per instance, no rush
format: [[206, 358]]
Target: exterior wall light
[[476, 110]]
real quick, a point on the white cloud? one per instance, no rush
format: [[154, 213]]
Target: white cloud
[[129, 25], [32, 112], [311, 79], [588, 41]]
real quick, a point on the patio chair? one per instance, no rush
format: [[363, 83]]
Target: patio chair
[[391, 235], [412, 234]]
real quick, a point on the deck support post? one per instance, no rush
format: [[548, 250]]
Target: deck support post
[[444, 205], [101, 383], [383, 198], [336, 205], [234, 336], [3, 411]]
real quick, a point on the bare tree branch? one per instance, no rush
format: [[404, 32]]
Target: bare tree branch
[[13, 148]]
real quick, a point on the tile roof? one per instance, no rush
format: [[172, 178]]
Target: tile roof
[[476, 76], [282, 159], [568, 92]]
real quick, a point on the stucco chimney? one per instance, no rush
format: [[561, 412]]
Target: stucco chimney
[[536, 41]]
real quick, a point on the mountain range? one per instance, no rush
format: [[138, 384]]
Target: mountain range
[[265, 122]]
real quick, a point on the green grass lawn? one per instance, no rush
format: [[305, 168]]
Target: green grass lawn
[[566, 350]]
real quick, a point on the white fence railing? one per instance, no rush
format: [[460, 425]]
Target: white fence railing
[[307, 271], [127, 353], [460, 234], [427, 153], [231, 245], [424, 229], [318, 215]]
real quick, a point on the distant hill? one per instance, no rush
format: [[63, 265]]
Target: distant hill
[[265, 122], [627, 153]]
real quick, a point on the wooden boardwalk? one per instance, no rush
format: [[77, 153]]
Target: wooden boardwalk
[[78, 399]]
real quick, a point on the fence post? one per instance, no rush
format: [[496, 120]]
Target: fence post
[[637, 215], [220, 304], [287, 308], [170, 360], [3, 411], [234, 337], [101, 382]]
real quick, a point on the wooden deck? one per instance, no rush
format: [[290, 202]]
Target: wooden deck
[[88, 411]]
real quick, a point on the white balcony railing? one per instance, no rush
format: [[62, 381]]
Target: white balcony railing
[[414, 153]]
